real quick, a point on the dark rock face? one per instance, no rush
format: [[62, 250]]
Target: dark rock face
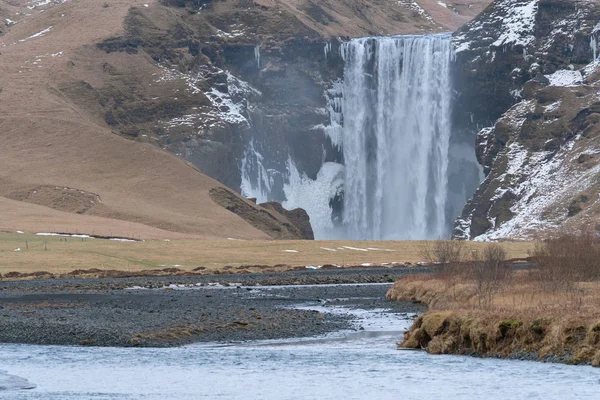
[[292, 80], [523, 76], [297, 217], [220, 90]]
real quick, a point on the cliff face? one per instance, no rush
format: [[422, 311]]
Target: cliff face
[[238, 74], [244, 89], [527, 77]]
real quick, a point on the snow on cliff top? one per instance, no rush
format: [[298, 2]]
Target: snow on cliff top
[[509, 23], [517, 26]]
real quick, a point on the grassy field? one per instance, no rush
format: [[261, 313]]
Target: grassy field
[[60, 255]]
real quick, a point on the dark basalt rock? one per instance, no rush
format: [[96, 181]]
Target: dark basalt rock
[[297, 217]]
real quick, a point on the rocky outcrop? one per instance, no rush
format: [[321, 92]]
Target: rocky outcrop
[[271, 218], [298, 218], [526, 72]]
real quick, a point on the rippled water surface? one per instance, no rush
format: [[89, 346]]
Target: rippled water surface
[[352, 365]]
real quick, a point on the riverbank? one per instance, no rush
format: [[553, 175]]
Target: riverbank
[[172, 311], [524, 320], [344, 365]]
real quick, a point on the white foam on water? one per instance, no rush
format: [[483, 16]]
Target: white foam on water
[[11, 383]]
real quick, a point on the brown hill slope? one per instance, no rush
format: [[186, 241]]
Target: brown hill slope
[[55, 155]]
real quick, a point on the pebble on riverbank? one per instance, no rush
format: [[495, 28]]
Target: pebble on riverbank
[[171, 311]]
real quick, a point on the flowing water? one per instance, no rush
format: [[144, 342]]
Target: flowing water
[[390, 120], [359, 364], [396, 109]]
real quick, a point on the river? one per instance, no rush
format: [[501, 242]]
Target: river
[[358, 364]]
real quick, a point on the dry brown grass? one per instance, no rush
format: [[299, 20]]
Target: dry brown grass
[[523, 315], [63, 256], [520, 293], [523, 319]]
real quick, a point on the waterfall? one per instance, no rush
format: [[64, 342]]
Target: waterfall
[[390, 118], [327, 49], [396, 115], [257, 182], [257, 55]]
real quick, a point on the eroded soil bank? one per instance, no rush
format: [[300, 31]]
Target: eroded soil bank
[[523, 322]]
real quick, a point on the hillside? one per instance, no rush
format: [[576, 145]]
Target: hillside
[[529, 78], [89, 97], [62, 168]]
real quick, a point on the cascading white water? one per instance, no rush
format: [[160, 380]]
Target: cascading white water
[[390, 117], [256, 180], [396, 131]]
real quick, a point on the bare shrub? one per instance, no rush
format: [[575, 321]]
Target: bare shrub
[[445, 256], [566, 259], [489, 270]]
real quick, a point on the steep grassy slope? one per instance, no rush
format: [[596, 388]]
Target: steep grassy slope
[[57, 156]]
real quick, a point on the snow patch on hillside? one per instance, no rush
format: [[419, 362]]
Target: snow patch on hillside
[[552, 107], [509, 23], [41, 3], [549, 180], [236, 31], [414, 6], [518, 24], [229, 102], [565, 77], [36, 35]]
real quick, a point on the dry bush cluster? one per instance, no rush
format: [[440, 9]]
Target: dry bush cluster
[[479, 305], [566, 259], [562, 263], [488, 268]]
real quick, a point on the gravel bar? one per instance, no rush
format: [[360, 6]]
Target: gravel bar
[[171, 311]]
